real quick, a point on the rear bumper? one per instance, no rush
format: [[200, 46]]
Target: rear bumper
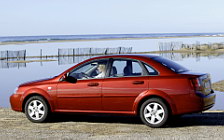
[[208, 101], [16, 103]]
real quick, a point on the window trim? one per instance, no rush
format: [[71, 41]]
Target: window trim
[[141, 63], [107, 59]]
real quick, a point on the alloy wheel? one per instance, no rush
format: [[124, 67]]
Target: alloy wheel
[[36, 109], [154, 113]]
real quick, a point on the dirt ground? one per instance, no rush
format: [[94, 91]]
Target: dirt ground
[[219, 86], [207, 125], [14, 125]]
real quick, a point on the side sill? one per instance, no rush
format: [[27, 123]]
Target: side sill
[[132, 113]]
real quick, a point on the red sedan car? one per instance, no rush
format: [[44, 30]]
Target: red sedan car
[[149, 86]]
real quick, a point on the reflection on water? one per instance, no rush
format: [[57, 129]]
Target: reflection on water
[[72, 59], [66, 57], [13, 74], [7, 56], [12, 59], [198, 55], [22, 63], [4, 63]]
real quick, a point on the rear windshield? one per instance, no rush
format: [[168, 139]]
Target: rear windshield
[[170, 64]]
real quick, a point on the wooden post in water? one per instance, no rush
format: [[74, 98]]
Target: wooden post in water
[[41, 54], [73, 55], [7, 55], [58, 56], [130, 50], [106, 51], [73, 52], [24, 55], [89, 51], [119, 51]]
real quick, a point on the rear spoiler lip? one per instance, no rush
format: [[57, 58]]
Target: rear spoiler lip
[[191, 74]]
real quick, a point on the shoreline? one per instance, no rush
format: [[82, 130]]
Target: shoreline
[[106, 39], [190, 51], [202, 52], [219, 86]]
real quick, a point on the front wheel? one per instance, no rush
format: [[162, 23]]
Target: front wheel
[[154, 112], [36, 109]]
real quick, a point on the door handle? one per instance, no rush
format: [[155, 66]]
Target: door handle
[[93, 84], [138, 82]]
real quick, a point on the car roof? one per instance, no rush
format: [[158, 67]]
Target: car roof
[[126, 56], [142, 57]]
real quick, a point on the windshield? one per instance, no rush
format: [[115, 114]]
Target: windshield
[[170, 64]]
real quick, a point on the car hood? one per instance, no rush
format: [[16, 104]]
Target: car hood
[[36, 82]]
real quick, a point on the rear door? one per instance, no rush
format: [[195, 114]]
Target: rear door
[[126, 80]]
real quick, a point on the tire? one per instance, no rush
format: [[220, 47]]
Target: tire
[[36, 109], [154, 113]]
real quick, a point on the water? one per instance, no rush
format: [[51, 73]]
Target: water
[[12, 77], [202, 64], [100, 36], [138, 45], [219, 101]]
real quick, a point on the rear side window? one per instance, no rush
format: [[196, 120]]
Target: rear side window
[[123, 67], [170, 64], [150, 70]]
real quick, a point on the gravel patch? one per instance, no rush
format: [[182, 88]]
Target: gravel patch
[[14, 125]]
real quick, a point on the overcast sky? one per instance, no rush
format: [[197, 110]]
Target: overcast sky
[[66, 17]]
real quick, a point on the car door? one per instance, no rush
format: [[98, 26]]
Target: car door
[[85, 94], [126, 80]]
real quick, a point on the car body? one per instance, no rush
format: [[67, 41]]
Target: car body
[[146, 85]]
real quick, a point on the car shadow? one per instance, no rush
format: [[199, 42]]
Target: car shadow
[[94, 118], [199, 119]]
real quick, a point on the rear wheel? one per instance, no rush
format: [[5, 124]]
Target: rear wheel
[[36, 109], [154, 112]]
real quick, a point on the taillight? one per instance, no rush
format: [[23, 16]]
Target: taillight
[[196, 84]]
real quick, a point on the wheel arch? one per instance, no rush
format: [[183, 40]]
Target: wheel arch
[[35, 94], [150, 97], [154, 94]]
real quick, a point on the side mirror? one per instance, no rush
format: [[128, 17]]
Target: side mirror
[[70, 79]]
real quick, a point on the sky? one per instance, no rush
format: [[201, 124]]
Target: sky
[[79, 17]]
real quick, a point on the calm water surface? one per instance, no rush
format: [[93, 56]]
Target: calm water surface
[[138, 45], [12, 77]]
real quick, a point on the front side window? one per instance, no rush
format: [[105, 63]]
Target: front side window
[[92, 70], [121, 68]]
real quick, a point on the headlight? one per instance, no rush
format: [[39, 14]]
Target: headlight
[[15, 90]]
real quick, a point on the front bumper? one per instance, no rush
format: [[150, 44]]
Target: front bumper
[[16, 103]]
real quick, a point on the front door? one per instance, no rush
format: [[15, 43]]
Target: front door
[[83, 95], [86, 93]]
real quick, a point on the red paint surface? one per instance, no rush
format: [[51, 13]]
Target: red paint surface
[[116, 95]]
